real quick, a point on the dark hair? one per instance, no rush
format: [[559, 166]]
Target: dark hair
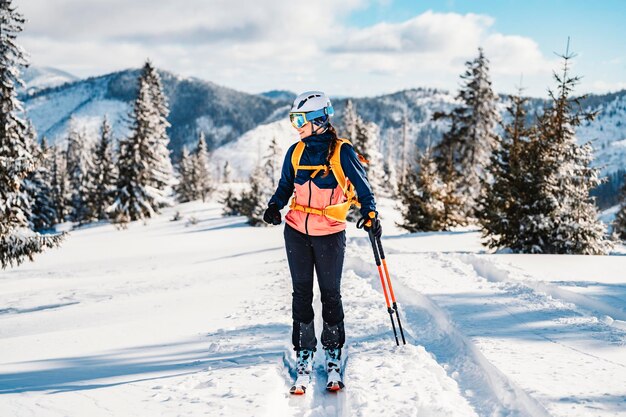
[[331, 146]]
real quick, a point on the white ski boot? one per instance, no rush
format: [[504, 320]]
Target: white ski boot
[[304, 365], [333, 368]]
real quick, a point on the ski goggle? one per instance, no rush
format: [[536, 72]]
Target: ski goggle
[[300, 119]]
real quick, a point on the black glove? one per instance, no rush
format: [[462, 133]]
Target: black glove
[[372, 222], [272, 214]]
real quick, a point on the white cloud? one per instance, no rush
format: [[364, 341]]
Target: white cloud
[[601, 86], [255, 46]]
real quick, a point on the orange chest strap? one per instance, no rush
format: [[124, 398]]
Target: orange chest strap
[[335, 164]]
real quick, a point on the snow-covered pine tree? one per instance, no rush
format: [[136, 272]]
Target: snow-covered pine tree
[[60, 184], [162, 169], [472, 137], [619, 224], [564, 218], [350, 120], [227, 172], [17, 241], [79, 164], [367, 143], [203, 183], [253, 202], [144, 168], [509, 198], [445, 160], [389, 168], [184, 189], [273, 162], [263, 181], [232, 203], [103, 175], [426, 201], [38, 185]]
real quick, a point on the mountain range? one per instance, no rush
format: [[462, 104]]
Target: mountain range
[[55, 100]]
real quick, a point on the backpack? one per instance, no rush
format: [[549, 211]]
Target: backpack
[[337, 212]]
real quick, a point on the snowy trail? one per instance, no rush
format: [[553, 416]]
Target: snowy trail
[[178, 318], [547, 346], [483, 386]]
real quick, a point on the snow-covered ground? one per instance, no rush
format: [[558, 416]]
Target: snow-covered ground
[[192, 317]]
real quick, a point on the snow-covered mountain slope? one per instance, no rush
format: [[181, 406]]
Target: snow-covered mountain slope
[[607, 132], [249, 150], [188, 318], [221, 113], [38, 78], [420, 105], [225, 115]]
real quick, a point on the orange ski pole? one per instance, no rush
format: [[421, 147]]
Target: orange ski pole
[[362, 222], [393, 297], [382, 282]]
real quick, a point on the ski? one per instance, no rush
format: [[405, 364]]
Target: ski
[[334, 369], [301, 384]]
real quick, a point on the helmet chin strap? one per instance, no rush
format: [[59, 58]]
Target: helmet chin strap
[[319, 130]]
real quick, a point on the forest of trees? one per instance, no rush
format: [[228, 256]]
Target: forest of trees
[[529, 190], [528, 186]]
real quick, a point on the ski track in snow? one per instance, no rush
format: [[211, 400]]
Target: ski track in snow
[[177, 330], [499, 312]]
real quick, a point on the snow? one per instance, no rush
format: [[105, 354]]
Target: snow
[[38, 78], [179, 318], [247, 152]]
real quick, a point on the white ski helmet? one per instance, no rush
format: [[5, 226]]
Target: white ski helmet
[[310, 101], [316, 104]]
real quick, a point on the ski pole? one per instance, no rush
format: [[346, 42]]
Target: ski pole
[[393, 297], [382, 282], [360, 225]]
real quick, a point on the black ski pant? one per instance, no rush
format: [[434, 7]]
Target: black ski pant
[[325, 254]]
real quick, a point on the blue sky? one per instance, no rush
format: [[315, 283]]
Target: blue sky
[[348, 47], [597, 27]]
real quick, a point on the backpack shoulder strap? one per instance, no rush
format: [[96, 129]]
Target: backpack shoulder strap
[[296, 155], [335, 164]]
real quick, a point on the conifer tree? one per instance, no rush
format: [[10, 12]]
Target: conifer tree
[[226, 173], [232, 203], [263, 182], [509, 198], [162, 170], [103, 175], [455, 203], [144, 168], [390, 172], [350, 120], [184, 189], [564, 217], [253, 202], [17, 241], [60, 188], [619, 224], [202, 178], [367, 143], [79, 164], [273, 162], [471, 138], [427, 200], [38, 185]]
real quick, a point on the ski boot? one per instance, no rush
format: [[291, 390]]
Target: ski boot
[[333, 368], [304, 365]]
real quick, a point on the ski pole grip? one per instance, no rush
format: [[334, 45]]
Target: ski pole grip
[[374, 248], [380, 248]]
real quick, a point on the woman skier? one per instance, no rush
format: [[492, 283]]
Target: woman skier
[[323, 173]]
